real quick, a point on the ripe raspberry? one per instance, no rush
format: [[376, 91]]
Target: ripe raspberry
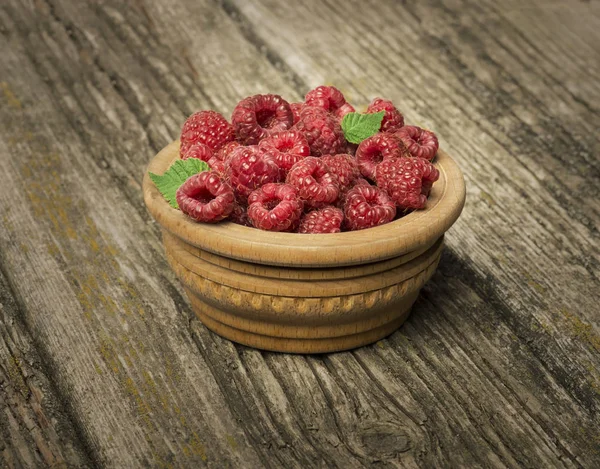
[[420, 142], [217, 165], [259, 116], [198, 150], [316, 186], [249, 168], [407, 181], [208, 127], [326, 220], [327, 97], [343, 193], [322, 131], [375, 149], [367, 206], [342, 111], [344, 167], [275, 207], [239, 215], [287, 148], [296, 110], [224, 152], [392, 119], [205, 197]]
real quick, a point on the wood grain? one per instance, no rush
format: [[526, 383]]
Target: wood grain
[[499, 364]]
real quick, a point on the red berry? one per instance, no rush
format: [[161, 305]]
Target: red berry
[[407, 181], [344, 167], [375, 149], [392, 119], [275, 207], [239, 215], [287, 148], [224, 152], [208, 127], [198, 150], [343, 110], [259, 116], [326, 97], [316, 186], [217, 165], [250, 168], [367, 206], [205, 197], [326, 220], [296, 109], [420, 142], [322, 131]]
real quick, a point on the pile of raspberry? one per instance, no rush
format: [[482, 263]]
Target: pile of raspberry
[[288, 167]]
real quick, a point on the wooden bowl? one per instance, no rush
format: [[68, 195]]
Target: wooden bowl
[[302, 293]]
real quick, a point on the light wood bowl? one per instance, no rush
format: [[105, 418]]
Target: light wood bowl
[[303, 293]]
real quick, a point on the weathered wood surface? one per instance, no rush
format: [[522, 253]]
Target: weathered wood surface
[[103, 363]]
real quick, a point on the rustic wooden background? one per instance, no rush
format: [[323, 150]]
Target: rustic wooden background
[[102, 363]]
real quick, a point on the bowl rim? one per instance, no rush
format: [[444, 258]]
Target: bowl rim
[[228, 239]]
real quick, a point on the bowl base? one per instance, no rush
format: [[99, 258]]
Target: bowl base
[[293, 338]]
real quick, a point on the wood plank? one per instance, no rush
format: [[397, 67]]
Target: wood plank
[[490, 371], [35, 428]]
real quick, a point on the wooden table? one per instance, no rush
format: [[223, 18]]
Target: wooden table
[[104, 365]]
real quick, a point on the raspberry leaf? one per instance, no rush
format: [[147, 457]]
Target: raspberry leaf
[[175, 176], [358, 127]]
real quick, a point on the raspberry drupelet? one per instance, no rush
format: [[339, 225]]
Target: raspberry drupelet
[[275, 207], [344, 167], [205, 197]]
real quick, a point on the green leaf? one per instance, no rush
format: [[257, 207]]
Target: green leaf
[[175, 176], [357, 126]]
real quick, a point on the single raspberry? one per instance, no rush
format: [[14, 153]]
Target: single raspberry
[[343, 193], [224, 152], [198, 150], [327, 97], [407, 181], [217, 165], [275, 207], [296, 110], [250, 168], [239, 215], [392, 119], [343, 110], [344, 167], [205, 197], [208, 127], [316, 186], [367, 206], [375, 149], [259, 116], [326, 220], [322, 131], [287, 148], [420, 142]]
